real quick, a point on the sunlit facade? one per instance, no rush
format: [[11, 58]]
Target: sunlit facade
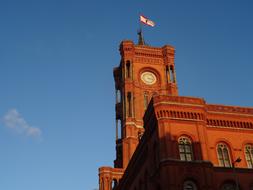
[[167, 141]]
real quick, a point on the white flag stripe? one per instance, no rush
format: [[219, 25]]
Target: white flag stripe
[[146, 21]]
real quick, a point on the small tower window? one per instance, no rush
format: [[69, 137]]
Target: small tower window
[[128, 69], [249, 155], [118, 129], [118, 96], [129, 104], [167, 74], [171, 74], [185, 149], [223, 155], [145, 100]]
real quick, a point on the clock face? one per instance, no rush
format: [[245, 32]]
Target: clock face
[[148, 78]]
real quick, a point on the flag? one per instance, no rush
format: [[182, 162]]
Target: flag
[[146, 21]]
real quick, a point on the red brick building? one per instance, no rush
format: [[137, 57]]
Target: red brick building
[[165, 141]]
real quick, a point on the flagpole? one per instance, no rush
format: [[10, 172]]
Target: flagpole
[[140, 23], [141, 40]]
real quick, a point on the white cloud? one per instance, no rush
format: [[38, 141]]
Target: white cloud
[[13, 120]]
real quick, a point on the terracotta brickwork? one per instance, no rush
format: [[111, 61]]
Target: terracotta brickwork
[[180, 142]]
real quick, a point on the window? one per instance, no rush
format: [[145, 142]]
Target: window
[[129, 104], [118, 96], [185, 149], [118, 129], [223, 155], [172, 74], [249, 155], [145, 100], [189, 185], [128, 69], [167, 74]]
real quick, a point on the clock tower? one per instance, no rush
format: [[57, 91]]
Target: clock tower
[[143, 72]]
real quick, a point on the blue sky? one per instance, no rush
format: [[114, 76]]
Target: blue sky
[[57, 92]]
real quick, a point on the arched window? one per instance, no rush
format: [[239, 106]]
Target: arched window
[[223, 155], [185, 149], [189, 185], [249, 155]]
